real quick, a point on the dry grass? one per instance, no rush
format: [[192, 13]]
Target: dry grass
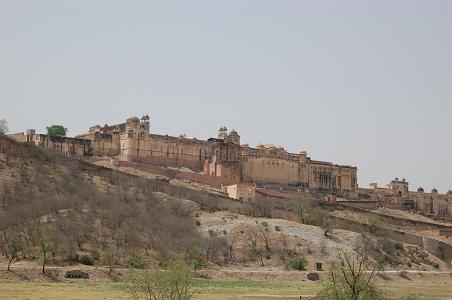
[[214, 290]]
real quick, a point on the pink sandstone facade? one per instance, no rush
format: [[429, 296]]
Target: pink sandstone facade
[[223, 161], [397, 195], [222, 157]]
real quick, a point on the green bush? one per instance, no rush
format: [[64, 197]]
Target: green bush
[[73, 257], [298, 263], [372, 223], [137, 261], [87, 260], [382, 259], [399, 247]]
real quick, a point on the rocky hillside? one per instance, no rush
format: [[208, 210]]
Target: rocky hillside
[[51, 199], [79, 212]]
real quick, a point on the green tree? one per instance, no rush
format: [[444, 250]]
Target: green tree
[[3, 127], [349, 280], [299, 263], [56, 131]]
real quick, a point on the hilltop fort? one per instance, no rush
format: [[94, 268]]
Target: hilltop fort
[[224, 162]]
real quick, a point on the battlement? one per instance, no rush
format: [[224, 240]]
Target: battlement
[[220, 156]]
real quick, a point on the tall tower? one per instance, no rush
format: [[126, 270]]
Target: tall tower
[[145, 124], [129, 140], [223, 133], [234, 137]]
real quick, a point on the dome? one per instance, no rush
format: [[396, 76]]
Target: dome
[[420, 190], [270, 146], [435, 191], [133, 120], [396, 179], [449, 192], [233, 132]]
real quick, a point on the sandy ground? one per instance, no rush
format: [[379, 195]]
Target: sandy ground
[[423, 286], [301, 238]]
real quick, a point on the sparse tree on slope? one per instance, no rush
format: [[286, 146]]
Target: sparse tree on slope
[[13, 247], [303, 207]]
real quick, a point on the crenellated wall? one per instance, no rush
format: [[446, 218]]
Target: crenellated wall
[[268, 163], [218, 157], [397, 195], [438, 248], [9, 145]]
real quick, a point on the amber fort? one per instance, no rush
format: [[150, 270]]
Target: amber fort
[[239, 169]]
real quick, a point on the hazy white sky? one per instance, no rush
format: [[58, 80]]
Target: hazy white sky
[[366, 83]]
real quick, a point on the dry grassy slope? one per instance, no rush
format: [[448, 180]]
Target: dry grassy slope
[[76, 211], [106, 162], [299, 238], [239, 230]]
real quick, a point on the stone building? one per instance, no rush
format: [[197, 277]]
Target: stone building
[[241, 192], [223, 156], [268, 163], [397, 195], [67, 145]]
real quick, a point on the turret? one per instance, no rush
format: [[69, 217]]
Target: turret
[[223, 133], [145, 124], [132, 126], [303, 156], [115, 141], [30, 135], [234, 137]]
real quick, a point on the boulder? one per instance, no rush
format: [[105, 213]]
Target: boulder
[[313, 276]]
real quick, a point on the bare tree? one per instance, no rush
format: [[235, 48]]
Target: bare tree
[[44, 247], [175, 282], [13, 247], [303, 207], [284, 248], [110, 257], [263, 230], [348, 279]]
